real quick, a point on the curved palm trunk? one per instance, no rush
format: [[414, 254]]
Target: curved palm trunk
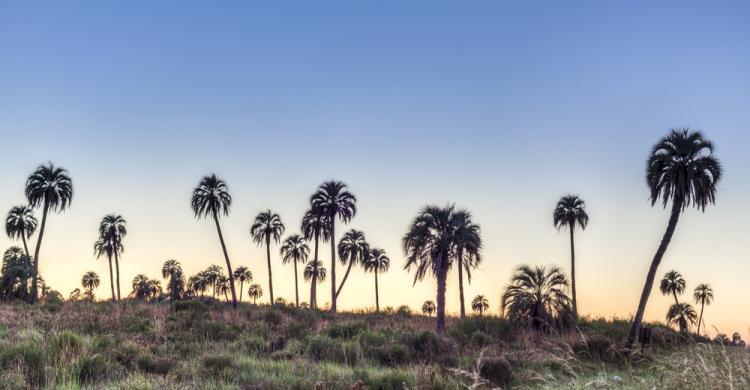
[[333, 266], [314, 279], [346, 275], [270, 278], [674, 217], [674, 293], [226, 257], [117, 273], [36, 251], [377, 297], [461, 280], [571, 227], [242, 282], [700, 319], [111, 279], [296, 286]]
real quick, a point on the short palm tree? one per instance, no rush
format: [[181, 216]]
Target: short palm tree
[[468, 244], [672, 284], [141, 287], [428, 307], [222, 287], [255, 292], [112, 228], [75, 294], [51, 188], [683, 315], [107, 248], [352, 251], [480, 304], [536, 299], [314, 272], [569, 213], [703, 295], [295, 250], [315, 227], [681, 169], [90, 281], [21, 223], [212, 275], [172, 270], [334, 201], [377, 262], [244, 276], [267, 226], [16, 276], [211, 197]]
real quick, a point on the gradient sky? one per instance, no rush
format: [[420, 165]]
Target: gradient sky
[[500, 108]]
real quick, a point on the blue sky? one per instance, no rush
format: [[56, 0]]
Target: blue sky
[[500, 108]]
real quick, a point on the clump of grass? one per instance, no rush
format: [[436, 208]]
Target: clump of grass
[[92, 368], [65, 344], [29, 358], [151, 364]]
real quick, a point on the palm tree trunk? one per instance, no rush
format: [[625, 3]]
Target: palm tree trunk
[[296, 288], [36, 251], [346, 275], [268, 257], [226, 257], [377, 297], [25, 247], [461, 280], [442, 275], [172, 291], [700, 319], [111, 279], [241, 285], [571, 227], [313, 288], [674, 217], [674, 293], [117, 272], [333, 265]]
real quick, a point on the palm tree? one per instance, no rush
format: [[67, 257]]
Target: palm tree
[[683, 315], [536, 298], [51, 188], [172, 270], [703, 295], [112, 228], [427, 245], [352, 250], [315, 273], [222, 287], [211, 197], [108, 248], [75, 294], [315, 227], [468, 244], [681, 168], [428, 307], [672, 283], [17, 272], [141, 287], [267, 225], [377, 262], [334, 201], [20, 223], [480, 304], [296, 250], [212, 275], [571, 212], [197, 284], [255, 292], [243, 275], [90, 281]]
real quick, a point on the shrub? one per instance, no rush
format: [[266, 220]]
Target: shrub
[[30, 357], [127, 353], [480, 339], [403, 311], [64, 344], [53, 301], [272, 317], [496, 329], [497, 370], [324, 348], [250, 344], [346, 330], [428, 346], [214, 330], [218, 366], [155, 365], [91, 368], [191, 306], [597, 347], [136, 324]]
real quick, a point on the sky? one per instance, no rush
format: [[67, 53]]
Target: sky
[[498, 107]]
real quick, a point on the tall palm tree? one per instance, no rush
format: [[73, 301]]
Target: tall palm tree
[[90, 281], [243, 275], [334, 201], [21, 223], [353, 249], [51, 188], [255, 291], [428, 307], [468, 244], [480, 304], [172, 270], [296, 250], [377, 262], [112, 228], [107, 248], [315, 227], [681, 168], [267, 226], [569, 213], [315, 273], [211, 197], [683, 315], [536, 298], [703, 295], [427, 245], [673, 284]]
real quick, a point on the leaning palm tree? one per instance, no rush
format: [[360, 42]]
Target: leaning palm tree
[[672, 284], [352, 251], [172, 270], [51, 188], [20, 223], [267, 226], [315, 227], [569, 213], [480, 304], [296, 250], [703, 295], [681, 168], [683, 315], [243, 275], [428, 307], [334, 201], [314, 272], [468, 244], [255, 292], [112, 228], [107, 248], [427, 245], [90, 281], [377, 262], [211, 197], [536, 299]]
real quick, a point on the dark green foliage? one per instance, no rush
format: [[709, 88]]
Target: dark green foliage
[[215, 330], [192, 306], [136, 323], [497, 370], [346, 330], [428, 347], [30, 357], [273, 317], [126, 353], [155, 365], [323, 348], [250, 344], [92, 368], [473, 329], [218, 366]]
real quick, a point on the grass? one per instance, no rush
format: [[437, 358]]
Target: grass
[[195, 345]]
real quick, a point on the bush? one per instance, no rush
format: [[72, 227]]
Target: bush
[[215, 331], [466, 329], [272, 317], [91, 368], [127, 353], [324, 348], [191, 306], [53, 301], [136, 324], [403, 311], [497, 370], [30, 357], [155, 365], [428, 346], [346, 330], [65, 344], [218, 366], [249, 344]]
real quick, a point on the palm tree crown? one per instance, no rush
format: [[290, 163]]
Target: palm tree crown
[[480, 304], [672, 283], [255, 291], [315, 270], [112, 228], [90, 281], [20, 223], [428, 307], [683, 315], [704, 296], [536, 298], [570, 212], [244, 275], [173, 270], [211, 197]]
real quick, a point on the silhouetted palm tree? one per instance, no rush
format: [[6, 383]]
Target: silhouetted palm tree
[[428, 307], [197, 284], [222, 286], [673, 284], [681, 168], [212, 275], [468, 244], [315, 227], [112, 228], [315, 273], [703, 295], [51, 188], [21, 223], [108, 248], [480, 304], [17, 272], [90, 281], [267, 226], [243, 275], [536, 298], [571, 212], [75, 294], [211, 197], [334, 201], [683, 315], [377, 262], [352, 250], [296, 250], [255, 292], [141, 287], [172, 270]]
